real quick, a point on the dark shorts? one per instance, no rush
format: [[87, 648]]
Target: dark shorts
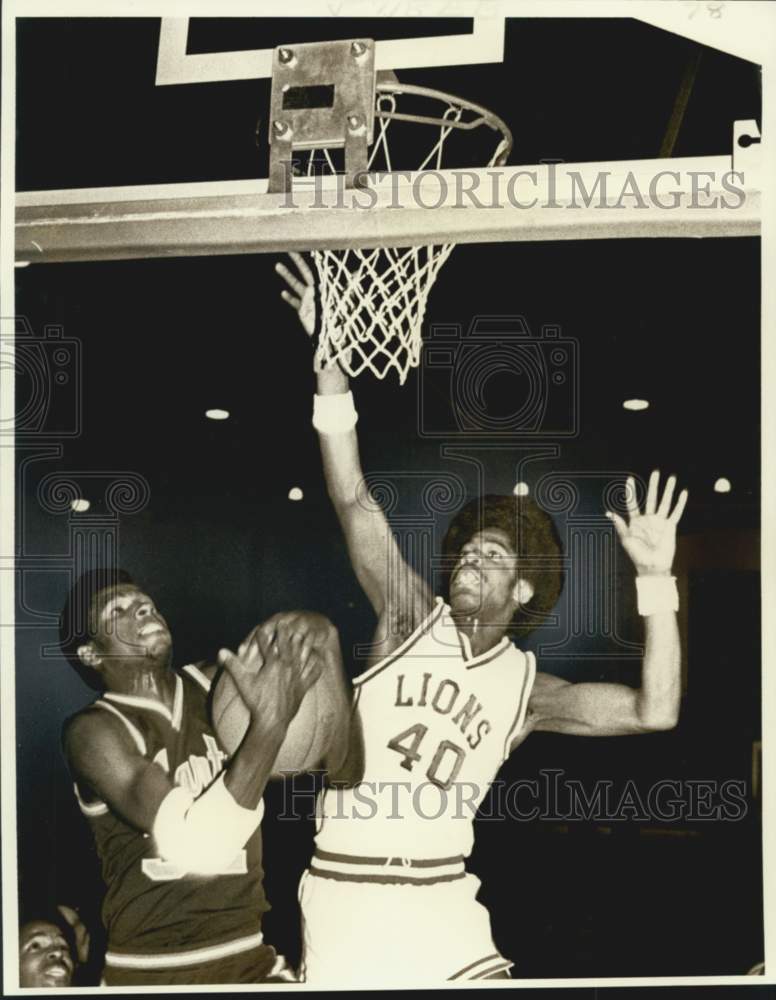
[[259, 965]]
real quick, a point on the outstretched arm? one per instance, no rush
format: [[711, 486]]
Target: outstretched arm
[[616, 709], [396, 593]]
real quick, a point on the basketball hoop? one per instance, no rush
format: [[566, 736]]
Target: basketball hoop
[[373, 301]]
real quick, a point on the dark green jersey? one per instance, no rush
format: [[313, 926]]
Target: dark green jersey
[[155, 913]]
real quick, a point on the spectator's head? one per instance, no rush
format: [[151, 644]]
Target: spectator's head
[[46, 952]]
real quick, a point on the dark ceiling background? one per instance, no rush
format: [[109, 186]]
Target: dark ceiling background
[[150, 345]]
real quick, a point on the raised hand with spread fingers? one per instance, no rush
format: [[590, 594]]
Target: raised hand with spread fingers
[[300, 294], [649, 538]]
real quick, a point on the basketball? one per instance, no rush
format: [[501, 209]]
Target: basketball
[[309, 734]]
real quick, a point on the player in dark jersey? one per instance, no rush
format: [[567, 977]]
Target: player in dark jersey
[[176, 823], [505, 557]]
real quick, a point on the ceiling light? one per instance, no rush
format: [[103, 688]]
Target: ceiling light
[[722, 486], [217, 414], [295, 493], [635, 404]]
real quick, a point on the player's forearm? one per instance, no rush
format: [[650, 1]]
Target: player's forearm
[[649, 539], [341, 468], [202, 835], [332, 381], [251, 767], [339, 444], [657, 701]]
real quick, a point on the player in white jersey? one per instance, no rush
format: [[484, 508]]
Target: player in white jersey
[[445, 699]]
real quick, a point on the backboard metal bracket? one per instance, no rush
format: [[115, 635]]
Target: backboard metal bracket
[[323, 97], [747, 148]]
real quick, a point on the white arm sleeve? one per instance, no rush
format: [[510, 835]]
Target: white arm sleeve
[[202, 835]]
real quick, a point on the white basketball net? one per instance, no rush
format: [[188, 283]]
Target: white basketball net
[[373, 301]]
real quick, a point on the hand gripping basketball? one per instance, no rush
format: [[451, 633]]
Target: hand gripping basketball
[[278, 676], [275, 667], [295, 638]]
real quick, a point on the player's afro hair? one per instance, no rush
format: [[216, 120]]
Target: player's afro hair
[[74, 624], [533, 536]]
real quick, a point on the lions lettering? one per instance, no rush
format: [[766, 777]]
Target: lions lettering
[[445, 695]]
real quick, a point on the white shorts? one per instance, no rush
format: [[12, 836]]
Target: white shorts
[[367, 934]]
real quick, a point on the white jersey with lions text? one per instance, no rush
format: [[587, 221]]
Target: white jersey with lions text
[[437, 723]]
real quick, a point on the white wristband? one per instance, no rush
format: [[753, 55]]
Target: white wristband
[[335, 414], [656, 593]]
